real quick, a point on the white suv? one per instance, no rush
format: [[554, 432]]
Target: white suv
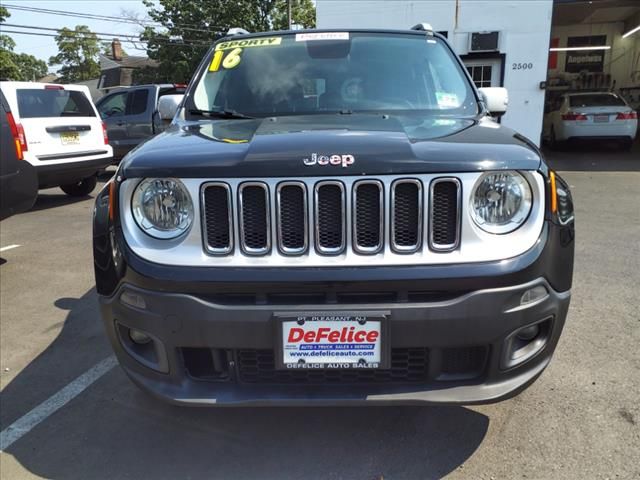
[[60, 133]]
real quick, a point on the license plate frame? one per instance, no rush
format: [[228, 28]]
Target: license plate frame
[[601, 118], [308, 321], [69, 138]]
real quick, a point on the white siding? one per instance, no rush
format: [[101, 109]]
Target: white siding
[[524, 38]]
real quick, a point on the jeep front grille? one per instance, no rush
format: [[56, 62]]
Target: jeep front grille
[[444, 223], [329, 217], [292, 218], [368, 224], [217, 218], [406, 215], [330, 212], [253, 205]]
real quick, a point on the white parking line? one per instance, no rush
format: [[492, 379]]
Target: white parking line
[[9, 247], [27, 422]]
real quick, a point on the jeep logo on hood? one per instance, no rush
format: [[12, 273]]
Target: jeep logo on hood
[[315, 159]]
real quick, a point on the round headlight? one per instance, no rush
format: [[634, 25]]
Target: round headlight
[[162, 207], [500, 201]]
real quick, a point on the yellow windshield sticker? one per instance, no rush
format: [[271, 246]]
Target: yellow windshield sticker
[[215, 61], [231, 60], [249, 42]]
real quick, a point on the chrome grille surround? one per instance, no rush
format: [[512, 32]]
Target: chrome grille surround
[[205, 231], [245, 239], [281, 218], [395, 244], [475, 245], [357, 244], [319, 220], [433, 244]]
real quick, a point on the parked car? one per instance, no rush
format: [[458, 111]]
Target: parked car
[[329, 221], [131, 114], [590, 116], [18, 179], [61, 134]]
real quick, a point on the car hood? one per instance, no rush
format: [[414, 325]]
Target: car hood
[[379, 144]]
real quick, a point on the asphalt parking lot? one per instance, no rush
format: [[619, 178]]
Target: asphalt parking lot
[[580, 420]]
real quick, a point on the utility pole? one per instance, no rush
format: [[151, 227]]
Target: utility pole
[[289, 13]]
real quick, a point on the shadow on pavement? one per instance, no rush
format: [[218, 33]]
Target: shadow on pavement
[[594, 157], [114, 430], [57, 198]]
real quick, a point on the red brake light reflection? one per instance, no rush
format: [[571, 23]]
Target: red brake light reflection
[[627, 116], [105, 136], [573, 116]]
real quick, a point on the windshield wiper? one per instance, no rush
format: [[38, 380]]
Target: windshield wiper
[[222, 113]]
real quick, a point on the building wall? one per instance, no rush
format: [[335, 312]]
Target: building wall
[[524, 39]]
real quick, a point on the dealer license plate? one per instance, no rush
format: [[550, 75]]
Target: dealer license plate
[[601, 118], [332, 341], [69, 138]]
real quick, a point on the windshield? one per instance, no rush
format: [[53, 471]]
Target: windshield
[[596, 100], [324, 72]]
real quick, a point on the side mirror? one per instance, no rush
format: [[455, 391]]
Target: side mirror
[[496, 99], [168, 106]]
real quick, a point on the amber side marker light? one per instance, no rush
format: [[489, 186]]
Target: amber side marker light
[[112, 199], [554, 193]]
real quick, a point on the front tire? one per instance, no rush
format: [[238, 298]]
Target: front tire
[[81, 188]]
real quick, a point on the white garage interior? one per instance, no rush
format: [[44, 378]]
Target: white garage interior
[[609, 29], [507, 43]]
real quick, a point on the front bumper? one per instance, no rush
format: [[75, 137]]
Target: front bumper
[[214, 333], [477, 321]]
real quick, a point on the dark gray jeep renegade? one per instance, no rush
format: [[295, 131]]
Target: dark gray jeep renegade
[[334, 217]]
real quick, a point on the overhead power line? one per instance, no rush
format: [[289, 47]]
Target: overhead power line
[[110, 18], [102, 39], [124, 36]]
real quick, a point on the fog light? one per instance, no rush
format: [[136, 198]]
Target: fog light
[[533, 295], [139, 337], [525, 343], [528, 333]]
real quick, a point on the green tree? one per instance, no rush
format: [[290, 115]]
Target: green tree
[[78, 51], [30, 67], [191, 27], [303, 13], [8, 68], [17, 66]]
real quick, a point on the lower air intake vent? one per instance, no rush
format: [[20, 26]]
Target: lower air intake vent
[[408, 365]]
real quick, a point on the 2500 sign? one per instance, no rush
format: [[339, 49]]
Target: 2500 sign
[[521, 66]]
